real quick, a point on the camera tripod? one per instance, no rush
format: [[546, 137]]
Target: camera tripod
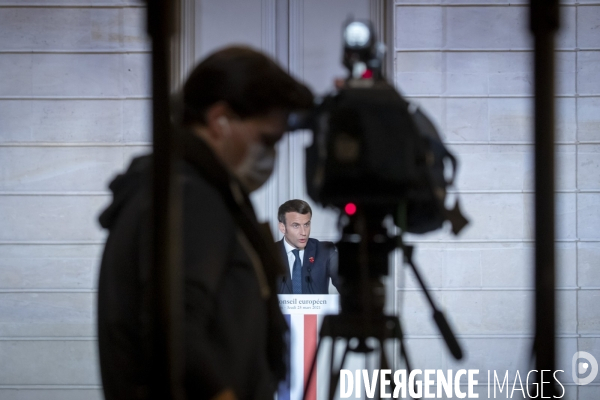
[[361, 295]]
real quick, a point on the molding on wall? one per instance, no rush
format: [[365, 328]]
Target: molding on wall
[[296, 37], [490, 289], [504, 5], [52, 242], [282, 50], [75, 98], [493, 96], [480, 50], [83, 51], [183, 47], [46, 290], [24, 4], [296, 67], [88, 194], [76, 144], [51, 387], [498, 336], [382, 16], [189, 29], [269, 43], [269, 27]]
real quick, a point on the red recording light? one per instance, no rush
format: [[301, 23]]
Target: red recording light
[[350, 209]]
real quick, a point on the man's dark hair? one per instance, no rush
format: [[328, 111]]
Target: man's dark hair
[[249, 82], [299, 206]]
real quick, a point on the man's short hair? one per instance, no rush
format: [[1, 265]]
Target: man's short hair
[[299, 206], [249, 82]]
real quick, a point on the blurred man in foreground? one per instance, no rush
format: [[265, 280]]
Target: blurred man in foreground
[[236, 104]]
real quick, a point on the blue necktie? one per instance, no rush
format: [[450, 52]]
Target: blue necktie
[[297, 273]]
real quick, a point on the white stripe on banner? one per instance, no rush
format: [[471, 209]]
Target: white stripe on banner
[[297, 356], [305, 314]]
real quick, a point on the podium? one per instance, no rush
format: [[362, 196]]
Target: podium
[[304, 314]]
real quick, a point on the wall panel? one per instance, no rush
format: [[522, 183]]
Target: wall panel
[[67, 362], [469, 65], [74, 108], [48, 312]]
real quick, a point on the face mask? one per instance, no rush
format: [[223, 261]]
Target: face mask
[[257, 166]]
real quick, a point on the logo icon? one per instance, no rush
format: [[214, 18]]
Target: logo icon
[[581, 368]]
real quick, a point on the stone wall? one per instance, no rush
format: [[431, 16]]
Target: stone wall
[[74, 98], [74, 108], [469, 65]]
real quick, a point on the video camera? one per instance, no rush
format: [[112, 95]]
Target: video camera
[[375, 155], [372, 147], [375, 152]]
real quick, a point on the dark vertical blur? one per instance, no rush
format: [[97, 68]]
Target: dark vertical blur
[[166, 295], [544, 24]]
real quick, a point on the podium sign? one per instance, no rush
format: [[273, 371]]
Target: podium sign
[[304, 313]]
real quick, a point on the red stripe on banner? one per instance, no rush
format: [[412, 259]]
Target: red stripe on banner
[[310, 346]]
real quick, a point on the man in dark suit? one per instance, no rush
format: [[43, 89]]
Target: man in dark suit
[[311, 263]]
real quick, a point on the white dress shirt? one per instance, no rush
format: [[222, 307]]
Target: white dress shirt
[[291, 257]]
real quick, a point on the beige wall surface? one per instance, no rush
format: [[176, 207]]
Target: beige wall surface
[[469, 65], [74, 109]]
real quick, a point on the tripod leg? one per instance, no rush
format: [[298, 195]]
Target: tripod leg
[[335, 376], [438, 316], [404, 354], [383, 365], [332, 367], [408, 367]]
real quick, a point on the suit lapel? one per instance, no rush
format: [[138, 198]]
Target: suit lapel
[[284, 258]]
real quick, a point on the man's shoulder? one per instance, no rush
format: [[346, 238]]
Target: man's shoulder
[[324, 245], [202, 201], [196, 186]]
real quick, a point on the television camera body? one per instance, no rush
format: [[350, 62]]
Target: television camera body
[[373, 147]]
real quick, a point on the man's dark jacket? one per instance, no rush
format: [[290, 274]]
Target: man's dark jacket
[[319, 264], [234, 332]]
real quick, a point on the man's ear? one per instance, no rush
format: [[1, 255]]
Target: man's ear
[[282, 227], [217, 117]]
